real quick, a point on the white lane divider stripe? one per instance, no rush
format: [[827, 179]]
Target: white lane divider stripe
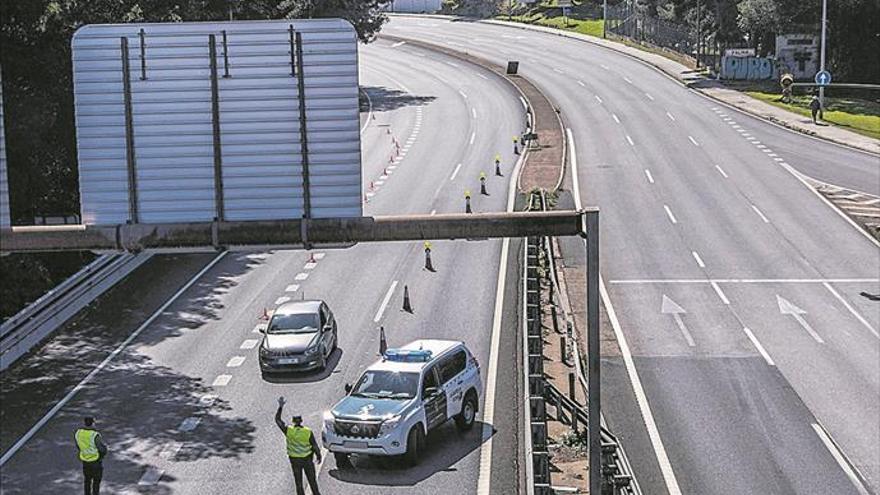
[[671, 117], [249, 344], [614, 116], [694, 141], [758, 346], [650, 177], [760, 214], [582, 83], [721, 171], [669, 213], [473, 136], [151, 476], [474, 112], [840, 458], [385, 301], [649, 96], [79, 386], [558, 70], [221, 381], [303, 276], [455, 172], [525, 104], [720, 293], [482, 76], [699, 260], [189, 424], [599, 99], [235, 361], [627, 79], [630, 140], [463, 94], [851, 309], [281, 300], [642, 400]]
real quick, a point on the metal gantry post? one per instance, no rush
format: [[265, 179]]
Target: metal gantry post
[[593, 386], [130, 160]]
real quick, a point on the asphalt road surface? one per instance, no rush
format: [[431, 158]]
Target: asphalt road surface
[[184, 408], [736, 288]]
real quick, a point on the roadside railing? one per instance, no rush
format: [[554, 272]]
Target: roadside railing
[[20, 333]]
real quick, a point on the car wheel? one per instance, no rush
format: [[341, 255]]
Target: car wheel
[[343, 461], [414, 443], [465, 419]]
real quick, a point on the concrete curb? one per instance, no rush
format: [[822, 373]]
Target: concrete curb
[[500, 71]]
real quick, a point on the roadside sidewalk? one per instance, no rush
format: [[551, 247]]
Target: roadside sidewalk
[[718, 91]]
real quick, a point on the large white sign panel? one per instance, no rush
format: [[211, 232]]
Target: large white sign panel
[[210, 122], [4, 183]]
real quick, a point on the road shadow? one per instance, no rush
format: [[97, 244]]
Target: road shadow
[[445, 447], [42, 377], [385, 99], [139, 407], [308, 376]]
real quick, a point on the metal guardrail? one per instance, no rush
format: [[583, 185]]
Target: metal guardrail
[[20, 333], [617, 473]]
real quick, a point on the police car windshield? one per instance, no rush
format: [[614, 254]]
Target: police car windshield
[[295, 323], [382, 384]]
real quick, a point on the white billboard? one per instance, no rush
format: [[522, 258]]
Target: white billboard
[[244, 120]]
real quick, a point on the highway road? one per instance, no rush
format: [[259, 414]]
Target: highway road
[[184, 408], [749, 362]]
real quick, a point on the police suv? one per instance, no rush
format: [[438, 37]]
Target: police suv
[[403, 396]]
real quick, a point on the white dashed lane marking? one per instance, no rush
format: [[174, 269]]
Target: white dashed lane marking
[[281, 300], [249, 344], [303, 276], [721, 171], [650, 177], [222, 381], [693, 141], [699, 260], [629, 140], [669, 214], [291, 288], [235, 361]]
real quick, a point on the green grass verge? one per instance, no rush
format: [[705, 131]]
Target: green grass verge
[[591, 27], [861, 116]]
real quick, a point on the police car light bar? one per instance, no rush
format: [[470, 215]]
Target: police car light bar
[[408, 355]]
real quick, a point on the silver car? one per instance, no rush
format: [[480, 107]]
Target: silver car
[[300, 336]]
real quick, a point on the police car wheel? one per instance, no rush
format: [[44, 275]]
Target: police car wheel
[[414, 443], [465, 419]]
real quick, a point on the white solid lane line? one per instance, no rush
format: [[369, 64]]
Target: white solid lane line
[[760, 214], [669, 213], [841, 460], [671, 117], [484, 480], [650, 177], [694, 141], [630, 140], [720, 171], [385, 301], [79, 386], [699, 260], [455, 172], [642, 399], [758, 346], [720, 293], [851, 309], [525, 104], [614, 116], [399, 43]]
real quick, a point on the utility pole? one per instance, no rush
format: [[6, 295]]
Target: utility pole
[[699, 33], [822, 52], [604, 17]]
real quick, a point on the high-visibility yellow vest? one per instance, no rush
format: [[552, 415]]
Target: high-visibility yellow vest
[[298, 444], [88, 446]]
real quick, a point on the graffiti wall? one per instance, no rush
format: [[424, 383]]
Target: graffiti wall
[[748, 68]]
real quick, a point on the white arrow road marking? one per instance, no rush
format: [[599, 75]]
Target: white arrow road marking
[[670, 307], [787, 308]]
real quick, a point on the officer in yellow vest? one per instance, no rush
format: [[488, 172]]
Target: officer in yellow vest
[[91, 452], [302, 449]]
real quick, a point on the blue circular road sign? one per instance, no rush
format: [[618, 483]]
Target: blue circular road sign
[[823, 78]]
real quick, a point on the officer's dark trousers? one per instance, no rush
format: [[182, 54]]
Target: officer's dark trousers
[[305, 464], [92, 472]]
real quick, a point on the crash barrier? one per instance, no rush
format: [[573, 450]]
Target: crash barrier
[[20, 333], [617, 474]]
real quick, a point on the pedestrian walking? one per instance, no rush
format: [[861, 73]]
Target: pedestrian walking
[[91, 449], [815, 107], [302, 450]]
